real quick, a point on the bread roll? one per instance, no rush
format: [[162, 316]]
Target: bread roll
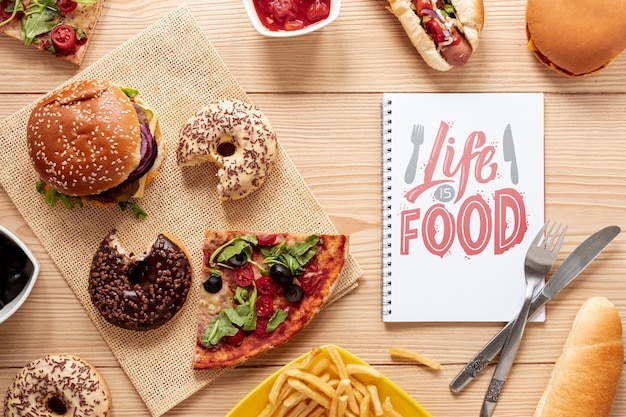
[[585, 378]]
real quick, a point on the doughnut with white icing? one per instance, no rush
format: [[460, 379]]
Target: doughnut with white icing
[[237, 137], [58, 385]]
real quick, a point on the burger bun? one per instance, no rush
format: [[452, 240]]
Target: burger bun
[[576, 38]]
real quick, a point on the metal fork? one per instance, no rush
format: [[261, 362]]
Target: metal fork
[[417, 138], [539, 260]]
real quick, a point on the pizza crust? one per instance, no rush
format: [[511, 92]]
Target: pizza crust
[[330, 258]]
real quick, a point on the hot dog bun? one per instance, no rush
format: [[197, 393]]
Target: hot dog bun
[[576, 38], [585, 378], [470, 20]]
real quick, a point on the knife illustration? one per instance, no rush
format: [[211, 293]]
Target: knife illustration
[[572, 266], [508, 147]]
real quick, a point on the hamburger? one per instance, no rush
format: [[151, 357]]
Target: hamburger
[[94, 142], [576, 38]]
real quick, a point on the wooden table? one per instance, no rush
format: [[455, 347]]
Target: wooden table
[[323, 95]]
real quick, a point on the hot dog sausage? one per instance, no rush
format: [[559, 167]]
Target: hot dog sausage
[[457, 54]]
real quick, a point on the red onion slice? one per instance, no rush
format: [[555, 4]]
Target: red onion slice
[[432, 13], [149, 150]]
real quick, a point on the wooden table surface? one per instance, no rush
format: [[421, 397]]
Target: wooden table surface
[[322, 93]]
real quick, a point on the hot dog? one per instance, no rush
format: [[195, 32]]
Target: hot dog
[[444, 32]]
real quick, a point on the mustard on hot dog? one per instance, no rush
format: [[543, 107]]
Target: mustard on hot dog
[[444, 32]]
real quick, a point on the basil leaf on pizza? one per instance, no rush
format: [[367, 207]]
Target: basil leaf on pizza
[[270, 286]]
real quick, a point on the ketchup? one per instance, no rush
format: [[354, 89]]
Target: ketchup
[[280, 15]]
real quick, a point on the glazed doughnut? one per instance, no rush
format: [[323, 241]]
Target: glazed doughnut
[[140, 292], [237, 137], [58, 385]]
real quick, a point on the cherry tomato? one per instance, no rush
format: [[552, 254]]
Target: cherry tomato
[[63, 37], [421, 5], [244, 275], [317, 11], [266, 240], [66, 6], [266, 285], [264, 306], [435, 31], [234, 340], [284, 10]]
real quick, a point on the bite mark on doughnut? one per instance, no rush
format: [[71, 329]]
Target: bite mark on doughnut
[[140, 291], [238, 138]]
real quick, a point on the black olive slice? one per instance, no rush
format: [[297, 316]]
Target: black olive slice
[[213, 284], [281, 274], [293, 293], [238, 260]]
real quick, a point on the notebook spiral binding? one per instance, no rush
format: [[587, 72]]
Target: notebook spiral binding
[[386, 148]]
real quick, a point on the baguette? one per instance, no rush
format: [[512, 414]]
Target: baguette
[[585, 378]]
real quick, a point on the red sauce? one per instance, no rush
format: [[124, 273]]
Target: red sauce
[[280, 15]]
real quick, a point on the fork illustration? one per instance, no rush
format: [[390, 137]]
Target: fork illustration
[[417, 138]]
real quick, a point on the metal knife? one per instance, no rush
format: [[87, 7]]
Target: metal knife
[[508, 147], [572, 266]]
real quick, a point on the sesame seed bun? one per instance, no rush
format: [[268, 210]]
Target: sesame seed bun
[[576, 38], [84, 138]]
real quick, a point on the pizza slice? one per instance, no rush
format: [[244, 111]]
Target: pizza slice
[[62, 27], [260, 290]]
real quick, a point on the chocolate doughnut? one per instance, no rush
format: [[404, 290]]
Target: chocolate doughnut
[[58, 385], [237, 137], [140, 292]]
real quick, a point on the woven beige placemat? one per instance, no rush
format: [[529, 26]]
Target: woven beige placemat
[[176, 78]]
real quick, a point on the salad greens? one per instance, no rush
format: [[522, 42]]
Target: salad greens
[[39, 18], [242, 315], [293, 257], [15, 8], [52, 197]]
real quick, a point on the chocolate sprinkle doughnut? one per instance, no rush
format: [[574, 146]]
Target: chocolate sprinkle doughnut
[[58, 385], [237, 137], [140, 292]]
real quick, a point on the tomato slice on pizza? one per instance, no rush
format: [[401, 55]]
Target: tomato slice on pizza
[[62, 27], [260, 290]]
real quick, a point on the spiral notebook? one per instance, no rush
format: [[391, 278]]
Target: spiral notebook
[[463, 197]]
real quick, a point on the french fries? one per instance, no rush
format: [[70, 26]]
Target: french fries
[[324, 385], [417, 357]]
